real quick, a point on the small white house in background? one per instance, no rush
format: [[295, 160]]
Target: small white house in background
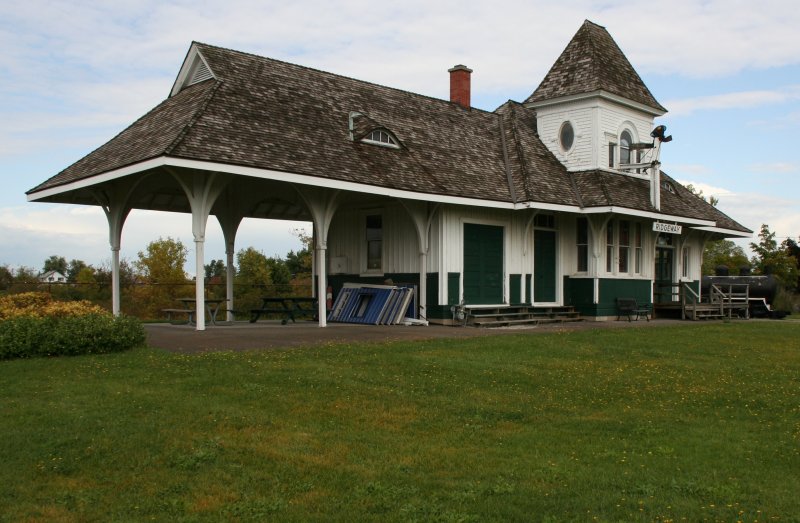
[[52, 277]]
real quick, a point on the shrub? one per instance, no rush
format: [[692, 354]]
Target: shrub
[[32, 324], [42, 305]]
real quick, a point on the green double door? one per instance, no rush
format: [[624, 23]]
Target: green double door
[[484, 261], [483, 264]]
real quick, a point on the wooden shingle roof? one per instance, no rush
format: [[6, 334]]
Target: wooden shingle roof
[[591, 62], [268, 114]]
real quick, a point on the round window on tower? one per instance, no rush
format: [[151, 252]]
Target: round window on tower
[[566, 136]]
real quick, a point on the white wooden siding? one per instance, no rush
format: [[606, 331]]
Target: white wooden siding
[[613, 118], [594, 121], [400, 246], [581, 115]]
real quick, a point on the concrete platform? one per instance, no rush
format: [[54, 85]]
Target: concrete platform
[[272, 335]]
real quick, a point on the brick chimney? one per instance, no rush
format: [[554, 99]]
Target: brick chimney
[[460, 85]]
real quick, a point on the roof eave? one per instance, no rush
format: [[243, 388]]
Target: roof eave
[[600, 93], [255, 172]]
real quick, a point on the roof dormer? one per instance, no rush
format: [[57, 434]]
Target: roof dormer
[[195, 69], [366, 130]]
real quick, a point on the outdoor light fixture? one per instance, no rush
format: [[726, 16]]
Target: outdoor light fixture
[[659, 131]]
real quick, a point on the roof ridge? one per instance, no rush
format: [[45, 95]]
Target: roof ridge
[[367, 82], [523, 164], [506, 163], [186, 128]]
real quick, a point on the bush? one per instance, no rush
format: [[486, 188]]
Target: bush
[[28, 336], [42, 305], [32, 324]]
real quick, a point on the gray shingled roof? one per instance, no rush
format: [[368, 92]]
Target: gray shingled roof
[[263, 113], [592, 61]]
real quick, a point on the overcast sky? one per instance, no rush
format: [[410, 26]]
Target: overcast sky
[[76, 73]]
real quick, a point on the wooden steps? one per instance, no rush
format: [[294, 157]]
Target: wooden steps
[[517, 315]]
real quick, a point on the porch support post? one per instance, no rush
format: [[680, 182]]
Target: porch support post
[[321, 285], [230, 274], [597, 226], [422, 214], [229, 215], [527, 243], [115, 202], [202, 190], [322, 205]]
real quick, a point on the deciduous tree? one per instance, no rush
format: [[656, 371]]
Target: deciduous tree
[[163, 261], [55, 263], [724, 252], [770, 259], [252, 267]]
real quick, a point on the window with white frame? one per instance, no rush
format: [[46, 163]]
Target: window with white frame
[[381, 137], [685, 265], [566, 136], [625, 142], [612, 148], [637, 245], [374, 242], [624, 247], [582, 244]]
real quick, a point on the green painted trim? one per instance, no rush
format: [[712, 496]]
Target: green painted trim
[[453, 287], [578, 292]]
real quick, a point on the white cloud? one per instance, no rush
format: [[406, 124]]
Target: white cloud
[[682, 169], [31, 233], [784, 121], [753, 209], [774, 168], [740, 100]]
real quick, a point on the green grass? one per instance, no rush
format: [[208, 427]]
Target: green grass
[[694, 423]]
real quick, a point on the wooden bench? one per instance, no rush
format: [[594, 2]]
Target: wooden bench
[[630, 308], [170, 312], [290, 308]]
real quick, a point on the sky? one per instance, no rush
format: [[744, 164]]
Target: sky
[[74, 74]]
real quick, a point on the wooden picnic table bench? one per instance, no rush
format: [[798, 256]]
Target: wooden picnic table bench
[[290, 307], [630, 307], [212, 308]]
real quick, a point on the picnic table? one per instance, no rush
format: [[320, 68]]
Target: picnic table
[[190, 309], [290, 307]]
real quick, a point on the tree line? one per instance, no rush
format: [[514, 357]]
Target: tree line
[[157, 277]]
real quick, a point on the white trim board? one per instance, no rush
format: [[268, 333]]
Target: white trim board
[[303, 179]]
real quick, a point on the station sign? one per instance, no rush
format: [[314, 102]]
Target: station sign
[[669, 228]]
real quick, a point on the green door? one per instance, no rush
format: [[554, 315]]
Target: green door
[[663, 277], [544, 266], [483, 264]]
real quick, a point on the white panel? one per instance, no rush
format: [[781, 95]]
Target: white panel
[[346, 239]]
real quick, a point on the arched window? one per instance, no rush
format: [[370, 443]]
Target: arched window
[[625, 142], [381, 137]]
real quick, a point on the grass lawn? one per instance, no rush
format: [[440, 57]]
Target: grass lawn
[[698, 422]]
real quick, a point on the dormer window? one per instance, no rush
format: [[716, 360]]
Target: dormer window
[[566, 136], [668, 187], [381, 137]]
